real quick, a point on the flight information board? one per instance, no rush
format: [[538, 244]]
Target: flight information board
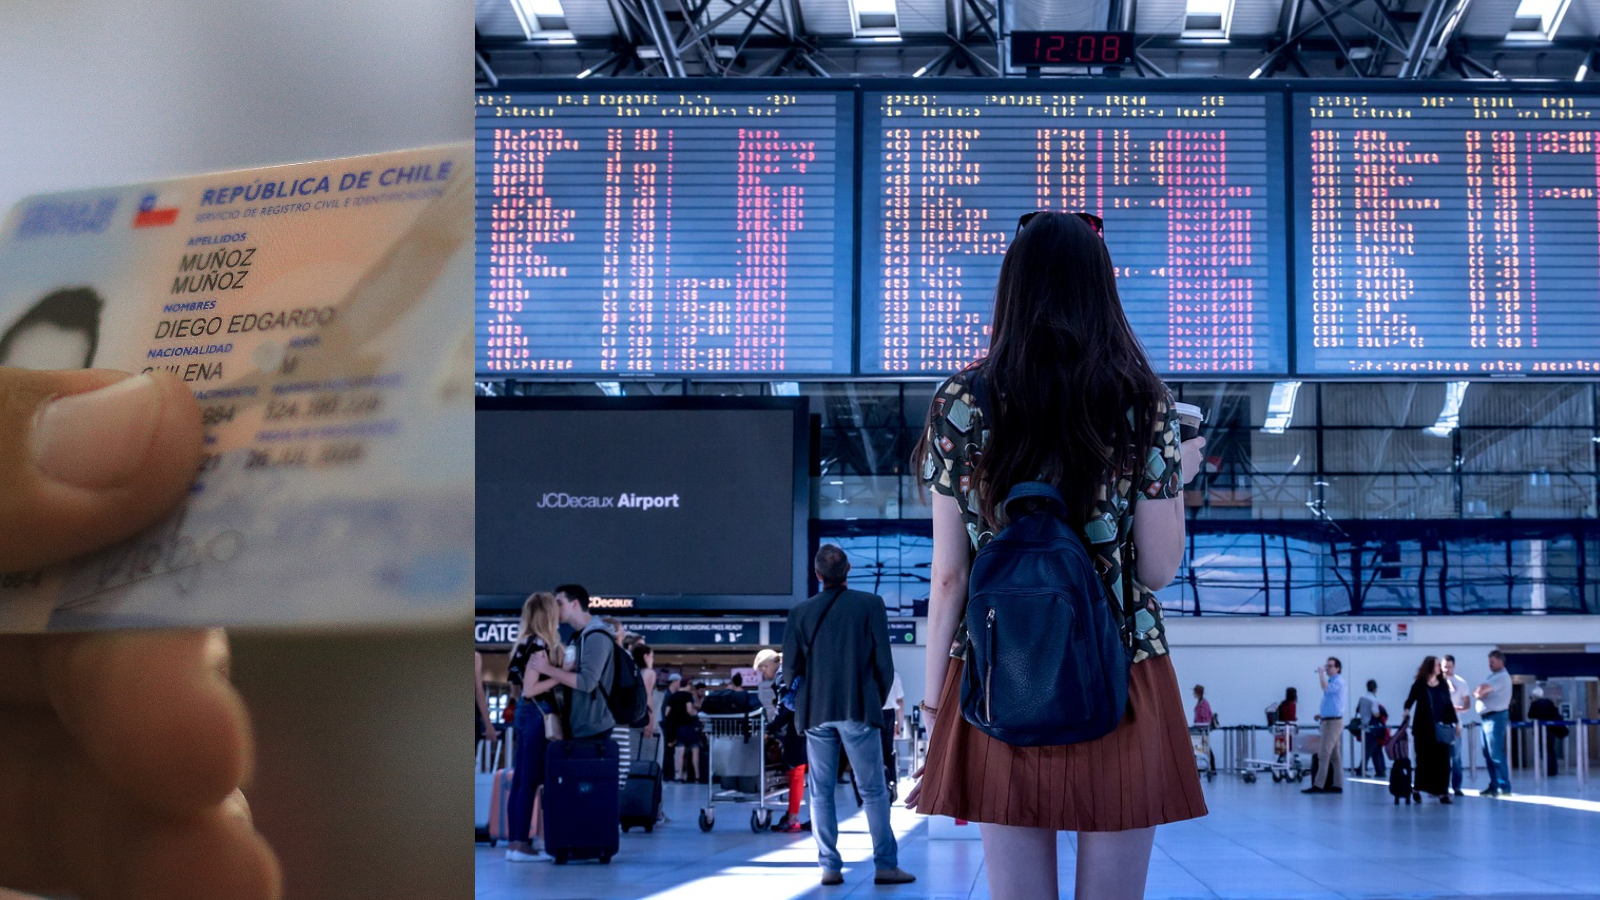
[[1190, 186], [633, 233], [1447, 234]]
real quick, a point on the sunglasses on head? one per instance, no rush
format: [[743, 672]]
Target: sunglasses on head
[[1095, 222]]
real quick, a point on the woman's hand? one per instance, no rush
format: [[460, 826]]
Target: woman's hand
[[121, 754], [916, 789], [1192, 461], [928, 716]]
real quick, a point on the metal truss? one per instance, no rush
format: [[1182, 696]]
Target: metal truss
[[684, 40], [1402, 39], [969, 23], [687, 39], [1375, 39]]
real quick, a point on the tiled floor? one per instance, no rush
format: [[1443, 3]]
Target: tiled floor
[[1261, 840]]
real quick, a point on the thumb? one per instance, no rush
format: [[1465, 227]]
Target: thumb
[[88, 458]]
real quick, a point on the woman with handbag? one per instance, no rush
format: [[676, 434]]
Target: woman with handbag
[[1436, 727], [537, 722], [1067, 398]]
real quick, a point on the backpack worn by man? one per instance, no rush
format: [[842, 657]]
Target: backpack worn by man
[[1048, 661], [625, 696], [627, 700]]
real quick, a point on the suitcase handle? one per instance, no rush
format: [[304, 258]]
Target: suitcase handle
[[576, 749]]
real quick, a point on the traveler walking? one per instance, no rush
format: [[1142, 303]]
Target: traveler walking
[[1329, 777], [1067, 397], [683, 725], [1543, 709], [894, 712], [1435, 728], [1202, 708], [791, 743], [1288, 707], [767, 663], [1461, 699], [1494, 708], [838, 643], [1374, 722], [539, 634], [646, 741]]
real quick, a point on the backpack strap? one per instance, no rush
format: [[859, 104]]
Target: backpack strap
[[604, 685], [817, 627]]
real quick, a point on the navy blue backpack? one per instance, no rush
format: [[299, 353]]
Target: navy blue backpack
[[1048, 658]]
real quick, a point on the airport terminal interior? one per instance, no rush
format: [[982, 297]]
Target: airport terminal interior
[[728, 252]]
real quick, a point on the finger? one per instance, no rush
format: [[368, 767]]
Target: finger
[[153, 711], [217, 854], [65, 828], [88, 458]]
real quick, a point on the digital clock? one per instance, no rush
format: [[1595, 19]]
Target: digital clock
[[1071, 48]]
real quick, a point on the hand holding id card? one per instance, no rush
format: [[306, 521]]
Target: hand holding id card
[[316, 311]]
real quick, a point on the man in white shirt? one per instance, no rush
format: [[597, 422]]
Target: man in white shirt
[[894, 712], [1494, 706], [1368, 713], [1461, 699]]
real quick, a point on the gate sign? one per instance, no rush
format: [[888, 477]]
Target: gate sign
[[901, 631], [1356, 631], [496, 632], [670, 632]]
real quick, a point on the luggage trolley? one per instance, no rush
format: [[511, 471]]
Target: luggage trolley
[[772, 787], [1286, 763], [1204, 759]]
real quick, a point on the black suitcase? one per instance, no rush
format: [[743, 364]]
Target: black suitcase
[[641, 796], [580, 800], [1400, 781]]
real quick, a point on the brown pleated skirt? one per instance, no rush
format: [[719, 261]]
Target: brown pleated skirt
[[1139, 775]]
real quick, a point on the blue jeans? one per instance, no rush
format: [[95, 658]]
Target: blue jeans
[[528, 772], [1374, 747], [1496, 728], [1455, 764], [861, 743]]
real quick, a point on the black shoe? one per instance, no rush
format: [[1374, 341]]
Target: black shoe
[[1313, 790], [1489, 792], [1460, 793]]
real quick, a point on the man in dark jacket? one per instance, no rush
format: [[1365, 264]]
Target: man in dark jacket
[[838, 644], [1544, 709]]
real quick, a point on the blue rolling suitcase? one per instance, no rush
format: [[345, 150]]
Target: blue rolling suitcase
[[581, 819]]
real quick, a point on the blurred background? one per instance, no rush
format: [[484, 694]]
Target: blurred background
[[354, 729]]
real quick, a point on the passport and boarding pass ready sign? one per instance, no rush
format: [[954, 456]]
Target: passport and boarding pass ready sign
[[319, 312]]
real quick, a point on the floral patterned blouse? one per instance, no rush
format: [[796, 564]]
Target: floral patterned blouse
[[956, 437]]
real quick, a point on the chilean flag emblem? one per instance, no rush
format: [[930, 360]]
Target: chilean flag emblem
[[152, 214]]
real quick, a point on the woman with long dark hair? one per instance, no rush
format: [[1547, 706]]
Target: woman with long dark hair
[[1074, 402], [1435, 719]]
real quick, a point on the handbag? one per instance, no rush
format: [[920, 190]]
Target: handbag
[[1444, 732], [552, 727]]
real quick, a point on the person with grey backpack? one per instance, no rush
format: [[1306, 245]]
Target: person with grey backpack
[[1056, 466]]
